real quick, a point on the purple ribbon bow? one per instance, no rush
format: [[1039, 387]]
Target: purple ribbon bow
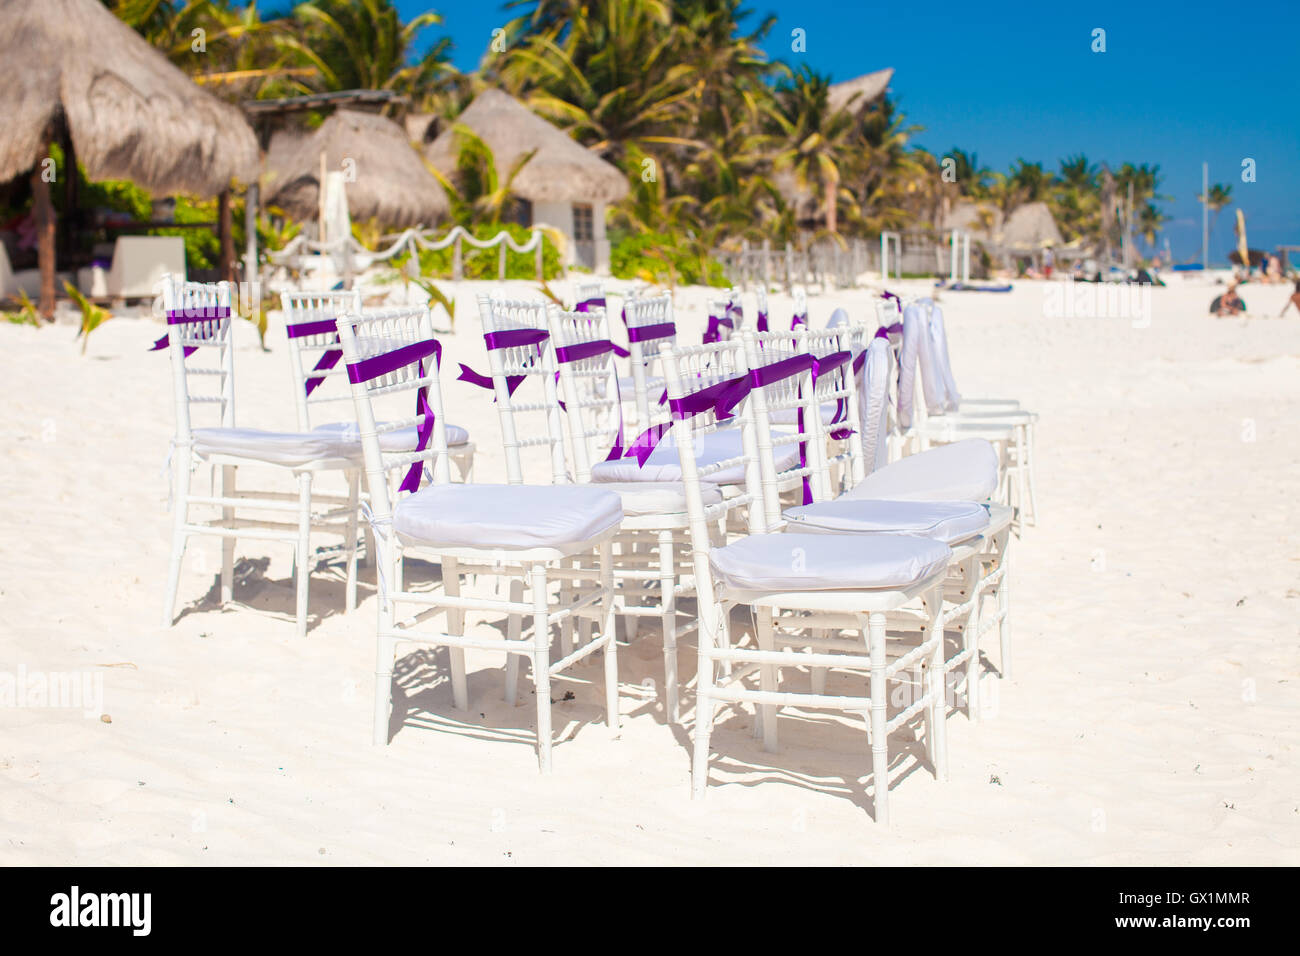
[[388, 362], [509, 338], [762, 321], [191, 315], [586, 305], [328, 359]]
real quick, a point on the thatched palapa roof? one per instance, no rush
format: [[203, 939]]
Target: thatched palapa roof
[[130, 113], [867, 88], [1030, 227], [561, 170], [391, 185]]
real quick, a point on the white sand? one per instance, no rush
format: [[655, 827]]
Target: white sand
[[1151, 717]]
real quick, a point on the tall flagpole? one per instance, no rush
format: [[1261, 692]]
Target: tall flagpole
[[1205, 216]]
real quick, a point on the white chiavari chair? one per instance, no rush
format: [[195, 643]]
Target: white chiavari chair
[[516, 531], [845, 583], [199, 320], [650, 550]]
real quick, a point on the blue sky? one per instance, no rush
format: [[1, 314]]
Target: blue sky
[[1179, 83]]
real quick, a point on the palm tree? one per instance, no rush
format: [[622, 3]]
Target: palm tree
[[608, 71], [972, 178], [1219, 197], [812, 141], [363, 44]]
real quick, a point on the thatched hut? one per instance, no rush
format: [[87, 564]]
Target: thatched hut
[[386, 179], [564, 185], [1029, 229], [75, 73]]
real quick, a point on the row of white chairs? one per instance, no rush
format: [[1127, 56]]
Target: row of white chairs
[[719, 499]]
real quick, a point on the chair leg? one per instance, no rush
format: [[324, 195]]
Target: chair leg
[[542, 667], [354, 496], [768, 680], [227, 544], [567, 589], [514, 628], [819, 673], [703, 721], [180, 515], [668, 609], [938, 686], [1004, 610], [303, 555], [609, 635], [1029, 455], [879, 716], [1022, 481], [456, 623]]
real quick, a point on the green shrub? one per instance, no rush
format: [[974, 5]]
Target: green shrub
[[662, 258]]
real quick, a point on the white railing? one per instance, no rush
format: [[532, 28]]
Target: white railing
[[347, 250]]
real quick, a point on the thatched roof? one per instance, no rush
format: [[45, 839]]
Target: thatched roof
[[979, 219], [131, 113], [1030, 227], [391, 185], [869, 85], [560, 171]]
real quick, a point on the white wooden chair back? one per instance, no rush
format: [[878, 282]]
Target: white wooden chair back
[[518, 343], [649, 326], [589, 295], [314, 352], [593, 407], [199, 322], [392, 358], [780, 372], [835, 386], [693, 375]]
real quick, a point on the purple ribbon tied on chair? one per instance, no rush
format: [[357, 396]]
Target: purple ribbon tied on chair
[[586, 305], [586, 350], [509, 338], [688, 406], [328, 359], [192, 315], [761, 321], [885, 331], [385, 364], [716, 323], [829, 363], [798, 319], [766, 375]]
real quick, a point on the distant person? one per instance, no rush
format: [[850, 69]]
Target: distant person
[[1294, 300], [1228, 304], [1273, 272], [1049, 260]]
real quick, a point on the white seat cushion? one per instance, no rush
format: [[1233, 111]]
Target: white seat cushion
[[827, 562], [506, 517], [404, 439], [658, 497], [946, 521], [290, 449], [664, 465], [963, 471]]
